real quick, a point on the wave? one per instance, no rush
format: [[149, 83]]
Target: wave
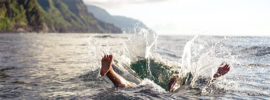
[[140, 58], [257, 50], [160, 73]]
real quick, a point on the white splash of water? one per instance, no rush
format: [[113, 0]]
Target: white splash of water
[[140, 45], [202, 56], [154, 87], [186, 57]]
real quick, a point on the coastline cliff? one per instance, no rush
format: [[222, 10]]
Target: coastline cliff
[[63, 16]]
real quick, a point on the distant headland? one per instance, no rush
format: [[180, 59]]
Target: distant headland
[[61, 16]]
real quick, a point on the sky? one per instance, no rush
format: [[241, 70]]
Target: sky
[[190, 17]]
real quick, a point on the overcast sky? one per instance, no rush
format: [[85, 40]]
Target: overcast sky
[[214, 17]]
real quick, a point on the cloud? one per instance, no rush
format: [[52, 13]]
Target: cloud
[[120, 3]]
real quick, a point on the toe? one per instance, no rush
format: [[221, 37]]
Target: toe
[[107, 58], [111, 57]]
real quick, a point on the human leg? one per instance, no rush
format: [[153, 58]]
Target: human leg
[[106, 69]]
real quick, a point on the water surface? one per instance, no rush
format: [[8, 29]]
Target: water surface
[[66, 66]]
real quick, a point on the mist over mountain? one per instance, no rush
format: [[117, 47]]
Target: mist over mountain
[[128, 25], [50, 16]]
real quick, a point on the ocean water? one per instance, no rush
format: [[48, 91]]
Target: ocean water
[[66, 66]]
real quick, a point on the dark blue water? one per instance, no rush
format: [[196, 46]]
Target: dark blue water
[[66, 66]]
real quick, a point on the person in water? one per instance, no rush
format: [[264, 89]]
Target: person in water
[[175, 81]]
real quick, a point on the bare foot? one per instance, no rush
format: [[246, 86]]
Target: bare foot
[[222, 70], [106, 63], [172, 83]]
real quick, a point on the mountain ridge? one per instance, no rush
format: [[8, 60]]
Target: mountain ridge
[[127, 24], [50, 16]]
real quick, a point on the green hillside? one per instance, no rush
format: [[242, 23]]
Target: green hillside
[[20, 14], [50, 16]]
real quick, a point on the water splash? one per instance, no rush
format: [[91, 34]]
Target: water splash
[[140, 46], [202, 56], [186, 57]]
